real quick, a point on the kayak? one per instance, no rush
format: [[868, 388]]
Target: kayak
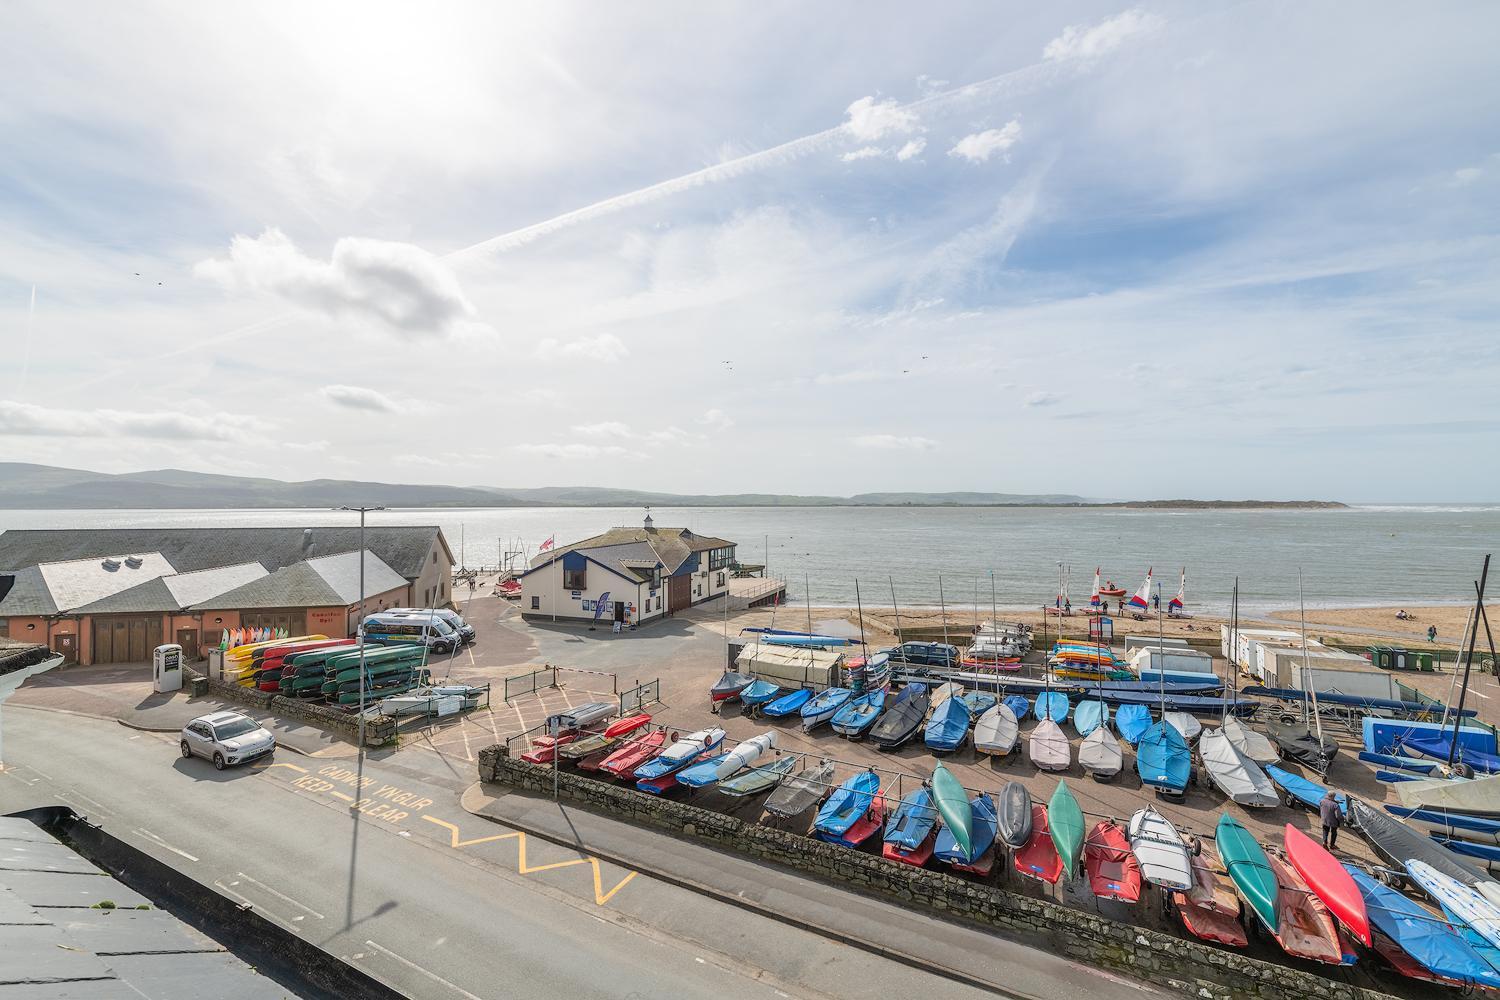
[[1248, 868], [1114, 872], [1305, 927], [787, 704], [1300, 789], [760, 779], [1210, 910], [1162, 759], [1132, 721], [1038, 859], [953, 805], [1328, 880], [1158, 846], [1013, 824], [1066, 821], [1420, 935]]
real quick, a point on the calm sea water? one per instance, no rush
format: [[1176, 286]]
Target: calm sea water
[[1366, 555]]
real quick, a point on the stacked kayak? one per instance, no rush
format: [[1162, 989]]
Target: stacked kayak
[[388, 670]]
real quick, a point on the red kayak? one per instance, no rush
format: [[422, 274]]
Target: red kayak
[[1038, 859], [1210, 910], [1328, 879], [544, 748], [1305, 927], [623, 762], [627, 725], [1114, 872]]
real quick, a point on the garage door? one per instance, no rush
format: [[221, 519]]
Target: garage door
[[292, 621], [125, 640], [679, 593]]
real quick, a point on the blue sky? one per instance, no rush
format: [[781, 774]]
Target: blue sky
[[1204, 250]]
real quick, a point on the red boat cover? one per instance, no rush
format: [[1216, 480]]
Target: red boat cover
[[1114, 872], [1038, 859], [629, 724], [1328, 879], [1307, 929], [1210, 910], [633, 754]]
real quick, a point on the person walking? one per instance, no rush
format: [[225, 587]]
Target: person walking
[[1432, 633], [1332, 817]]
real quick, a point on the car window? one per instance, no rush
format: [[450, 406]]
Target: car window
[[229, 730], [198, 729], [441, 627]]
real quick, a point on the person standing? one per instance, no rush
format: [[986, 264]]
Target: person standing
[[1432, 633], [1332, 817]]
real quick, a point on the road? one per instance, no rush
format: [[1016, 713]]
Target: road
[[442, 904]]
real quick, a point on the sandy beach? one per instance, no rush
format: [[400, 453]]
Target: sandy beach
[[1449, 619]]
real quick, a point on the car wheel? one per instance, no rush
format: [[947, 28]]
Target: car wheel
[[187, 751], [218, 761]]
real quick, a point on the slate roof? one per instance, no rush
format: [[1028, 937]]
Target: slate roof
[[28, 595], [404, 548], [153, 595], [332, 580], [671, 546], [77, 582]]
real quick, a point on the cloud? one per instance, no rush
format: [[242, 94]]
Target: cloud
[[980, 146], [913, 148], [606, 348], [863, 153], [29, 420], [577, 449], [1466, 175], [357, 397], [870, 119], [854, 376], [716, 420], [609, 428], [401, 286], [895, 442], [619, 431], [1043, 399], [1087, 42]]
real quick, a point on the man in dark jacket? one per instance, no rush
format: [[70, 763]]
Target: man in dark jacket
[[1333, 818]]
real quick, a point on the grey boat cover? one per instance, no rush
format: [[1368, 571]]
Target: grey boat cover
[[801, 792], [1247, 741], [1013, 815], [1100, 754], [996, 731], [1049, 747], [1398, 843], [1187, 726], [1237, 776], [1476, 797]]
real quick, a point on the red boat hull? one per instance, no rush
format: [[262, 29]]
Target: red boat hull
[[1114, 872], [917, 858], [1039, 859], [623, 762], [982, 866], [1329, 881]]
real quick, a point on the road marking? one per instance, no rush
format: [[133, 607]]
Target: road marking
[[163, 843], [99, 805], [341, 795], [414, 966], [69, 798], [278, 895], [454, 842], [600, 896], [247, 901], [523, 868], [294, 767], [40, 771]]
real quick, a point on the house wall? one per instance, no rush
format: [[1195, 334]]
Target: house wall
[[545, 584], [434, 587], [374, 604]]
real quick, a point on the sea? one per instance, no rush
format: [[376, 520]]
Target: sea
[[959, 556]]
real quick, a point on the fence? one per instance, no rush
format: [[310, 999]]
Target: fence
[[640, 696], [530, 683], [614, 683]]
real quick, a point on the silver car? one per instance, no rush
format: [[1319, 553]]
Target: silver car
[[226, 738]]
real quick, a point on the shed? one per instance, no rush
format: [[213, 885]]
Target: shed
[[790, 666]]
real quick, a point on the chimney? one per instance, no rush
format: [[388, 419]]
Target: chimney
[[649, 522], [307, 543]]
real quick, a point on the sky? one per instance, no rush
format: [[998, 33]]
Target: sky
[[1172, 250]]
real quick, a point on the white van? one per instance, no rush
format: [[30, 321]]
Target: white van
[[453, 618], [391, 630]]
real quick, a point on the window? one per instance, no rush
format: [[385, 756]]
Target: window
[[720, 558], [575, 579], [720, 582], [229, 730], [536, 603]]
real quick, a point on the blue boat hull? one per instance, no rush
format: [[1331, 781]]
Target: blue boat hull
[[1019, 707], [1162, 759], [1439, 749], [787, 704], [859, 714], [760, 693], [1132, 721], [1089, 716], [1418, 768], [824, 707], [1309, 793], [1456, 824]]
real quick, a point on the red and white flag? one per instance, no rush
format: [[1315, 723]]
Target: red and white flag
[[547, 544]]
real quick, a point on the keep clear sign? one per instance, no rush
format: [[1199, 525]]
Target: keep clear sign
[[373, 798]]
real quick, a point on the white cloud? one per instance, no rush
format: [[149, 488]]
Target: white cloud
[[1466, 175], [357, 397], [912, 148], [716, 419], [863, 153], [895, 442], [1043, 399], [854, 376], [980, 146], [608, 428], [606, 347], [402, 286], [30, 420], [577, 449], [1080, 41], [870, 119]]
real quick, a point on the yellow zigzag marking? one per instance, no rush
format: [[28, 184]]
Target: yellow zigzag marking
[[523, 868]]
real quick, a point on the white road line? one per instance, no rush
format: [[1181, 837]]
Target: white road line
[[279, 895], [163, 843], [247, 901], [100, 805], [430, 975], [39, 771], [70, 799]]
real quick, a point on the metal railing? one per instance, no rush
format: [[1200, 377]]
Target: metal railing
[[530, 683], [640, 696], [614, 683]]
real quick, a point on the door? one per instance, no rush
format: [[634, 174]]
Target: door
[[187, 638], [200, 738], [619, 611], [679, 593], [66, 644]]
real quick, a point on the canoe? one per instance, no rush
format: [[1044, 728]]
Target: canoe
[[978, 856], [1013, 819], [760, 693], [848, 803], [1304, 926], [1018, 706], [1256, 746], [1162, 759], [1158, 846], [1210, 910], [1101, 755], [1438, 747], [788, 704], [859, 713], [1089, 715], [910, 826], [1208, 685], [1038, 858], [800, 792], [1235, 774], [902, 717], [759, 779], [1249, 869], [1049, 747], [1481, 916], [680, 754], [1301, 744], [1185, 724], [996, 731], [953, 806], [1300, 789], [1396, 843], [633, 754], [824, 706], [1411, 765], [1489, 854], [1461, 826], [1419, 934], [708, 772], [1051, 705], [948, 726], [1066, 821], [1132, 721], [1328, 881], [1114, 872]]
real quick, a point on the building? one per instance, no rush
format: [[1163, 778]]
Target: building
[[639, 574], [113, 595]]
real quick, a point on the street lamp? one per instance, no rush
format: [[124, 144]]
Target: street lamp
[[361, 630]]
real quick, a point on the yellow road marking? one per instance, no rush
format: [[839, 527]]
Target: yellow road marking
[[294, 767], [600, 896], [453, 834], [341, 795], [523, 868]]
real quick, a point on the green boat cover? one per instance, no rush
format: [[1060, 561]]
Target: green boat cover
[[1248, 868], [953, 805], [1066, 822]]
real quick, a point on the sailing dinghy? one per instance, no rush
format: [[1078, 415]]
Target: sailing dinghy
[[1159, 848], [1162, 759], [1132, 721], [1185, 724], [1236, 775], [996, 731], [1101, 754], [800, 792], [709, 772], [909, 832], [1114, 872], [1049, 747]]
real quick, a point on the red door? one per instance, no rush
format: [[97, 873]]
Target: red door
[[679, 592]]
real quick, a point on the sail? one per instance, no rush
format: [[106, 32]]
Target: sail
[[1142, 598], [1094, 598], [1175, 604]]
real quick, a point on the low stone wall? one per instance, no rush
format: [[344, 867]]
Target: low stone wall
[[1177, 963], [18, 656], [378, 732]]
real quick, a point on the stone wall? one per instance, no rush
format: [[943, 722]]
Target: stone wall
[[378, 732], [1181, 964]]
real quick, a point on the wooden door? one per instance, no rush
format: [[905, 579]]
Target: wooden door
[[187, 638], [679, 593], [139, 651]]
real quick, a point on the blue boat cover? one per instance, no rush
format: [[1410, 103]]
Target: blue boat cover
[[1488, 853], [1019, 706], [859, 713], [1448, 818], [1051, 705], [1431, 708], [948, 725], [703, 771], [1309, 793], [1415, 931], [1162, 758], [1132, 721], [1183, 702], [1410, 764], [826, 703], [981, 834], [1209, 685], [847, 804], [1386, 735], [1089, 715], [1439, 747], [979, 702], [759, 693], [788, 704], [912, 821], [806, 641]]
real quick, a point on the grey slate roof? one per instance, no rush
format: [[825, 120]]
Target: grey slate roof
[[28, 595], [403, 548], [333, 580], [153, 595], [671, 546]]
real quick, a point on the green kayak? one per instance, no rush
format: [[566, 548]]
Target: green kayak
[[953, 805], [1248, 868], [373, 654], [1066, 822], [761, 779]]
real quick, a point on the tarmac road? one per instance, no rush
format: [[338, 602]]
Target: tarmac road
[[443, 905]]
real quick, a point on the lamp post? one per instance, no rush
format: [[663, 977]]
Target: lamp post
[[360, 632]]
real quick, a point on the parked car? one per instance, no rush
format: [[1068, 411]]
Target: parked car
[[391, 629], [226, 738], [453, 618], [926, 654]]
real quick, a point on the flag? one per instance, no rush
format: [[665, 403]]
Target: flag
[[547, 544], [601, 604]]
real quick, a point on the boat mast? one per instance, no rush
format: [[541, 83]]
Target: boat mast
[[860, 609], [1310, 689], [1458, 717], [943, 608], [1234, 620], [1453, 681], [896, 608]]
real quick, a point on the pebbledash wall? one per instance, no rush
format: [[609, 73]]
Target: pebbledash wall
[[1177, 963]]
